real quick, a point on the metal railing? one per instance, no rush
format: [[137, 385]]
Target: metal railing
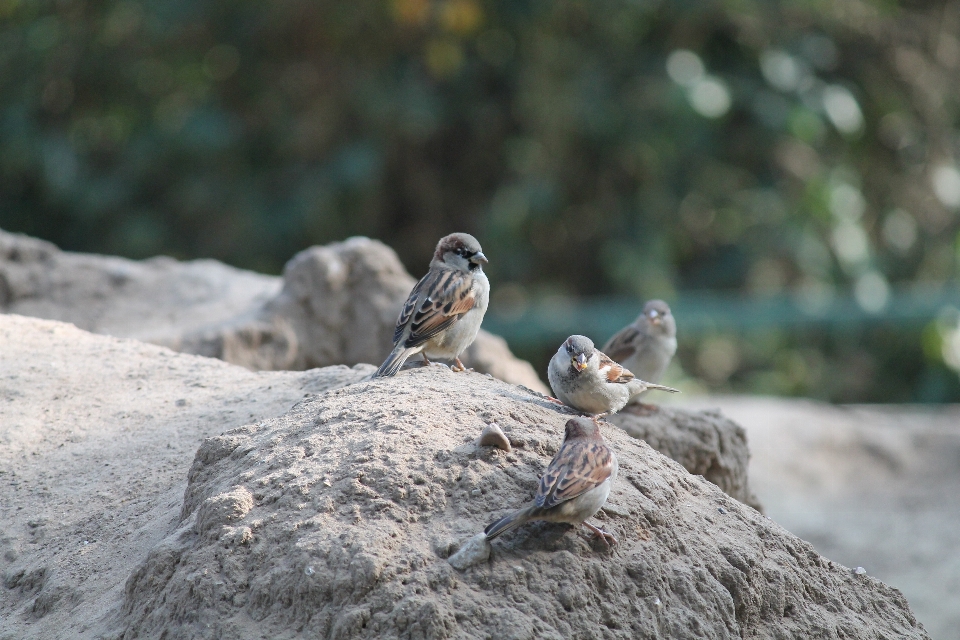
[[550, 321]]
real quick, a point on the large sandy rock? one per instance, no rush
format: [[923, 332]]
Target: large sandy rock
[[873, 486], [706, 443], [157, 300], [335, 304], [335, 519], [96, 437]]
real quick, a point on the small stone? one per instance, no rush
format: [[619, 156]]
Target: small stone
[[474, 550], [475, 492], [309, 571], [493, 436], [721, 510], [860, 571]]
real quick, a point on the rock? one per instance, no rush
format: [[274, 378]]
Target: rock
[[490, 354], [876, 486], [340, 301], [706, 443], [313, 317], [474, 551], [493, 436], [352, 489], [157, 300], [96, 437], [336, 304]]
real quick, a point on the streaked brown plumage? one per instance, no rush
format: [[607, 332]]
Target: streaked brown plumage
[[575, 484], [443, 313], [587, 380]]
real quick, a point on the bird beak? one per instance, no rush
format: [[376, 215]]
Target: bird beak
[[580, 362], [479, 258], [655, 317]]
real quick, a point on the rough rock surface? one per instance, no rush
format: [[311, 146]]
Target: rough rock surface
[[335, 519], [156, 300], [871, 486], [706, 444], [335, 304], [96, 437]]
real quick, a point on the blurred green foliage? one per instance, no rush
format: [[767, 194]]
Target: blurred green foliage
[[639, 148]]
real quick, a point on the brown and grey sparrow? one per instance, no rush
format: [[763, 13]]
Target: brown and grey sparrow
[[589, 381], [444, 311], [574, 486], [647, 346]]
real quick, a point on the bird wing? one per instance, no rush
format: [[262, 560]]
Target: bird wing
[[630, 341], [438, 300], [624, 344], [578, 467], [614, 372]]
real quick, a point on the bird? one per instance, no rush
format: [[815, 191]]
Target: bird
[[589, 381], [574, 486], [646, 346], [444, 311]]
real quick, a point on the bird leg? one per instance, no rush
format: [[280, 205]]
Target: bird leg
[[459, 366], [596, 418], [600, 533], [426, 361]]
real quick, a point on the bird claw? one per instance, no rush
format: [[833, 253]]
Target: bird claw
[[459, 366], [607, 538], [552, 399]]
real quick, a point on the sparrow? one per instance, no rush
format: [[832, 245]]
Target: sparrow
[[589, 381], [647, 346], [443, 313], [574, 486]]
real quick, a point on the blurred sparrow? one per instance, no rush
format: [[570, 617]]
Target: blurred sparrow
[[646, 346], [444, 311], [589, 381], [574, 486]]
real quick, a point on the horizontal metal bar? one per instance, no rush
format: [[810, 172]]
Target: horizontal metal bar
[[551, 321]]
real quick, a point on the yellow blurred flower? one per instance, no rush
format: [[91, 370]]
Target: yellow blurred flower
[[462, 17]]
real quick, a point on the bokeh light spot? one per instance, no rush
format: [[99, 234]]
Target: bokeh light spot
[[900, 230], [710, 97], [946, 185], [842, 109], [684, 67], [781, 70], [872, 292]]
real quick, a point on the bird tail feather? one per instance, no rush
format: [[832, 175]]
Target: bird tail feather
[[393, 362], [506, 523], [660, 387]]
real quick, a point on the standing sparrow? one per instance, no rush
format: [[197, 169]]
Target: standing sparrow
[[444, 311], [589, 381], [646, 346], [574, 486]]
